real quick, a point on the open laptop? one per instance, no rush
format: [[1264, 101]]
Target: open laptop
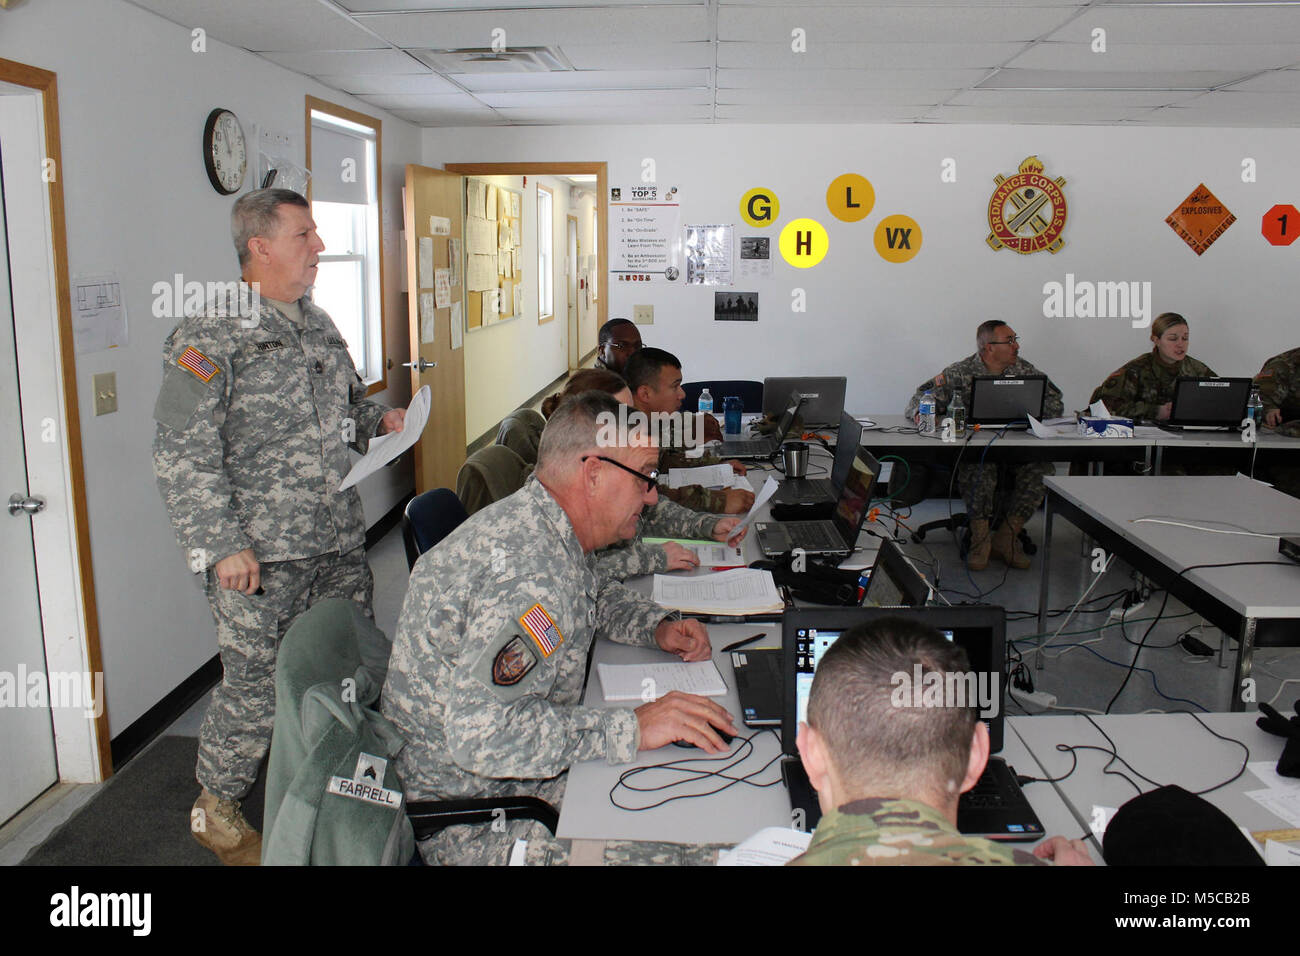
[[825, 397], [759, 684], [995, 808], [812, 491], [998, 402], [1209, 403], [836, 536], [767, 445]]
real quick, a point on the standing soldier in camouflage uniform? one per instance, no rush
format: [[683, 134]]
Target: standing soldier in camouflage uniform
[[655, 378], [998, 354], [888, 775], [488, 664], [254, 418], [1144, 388], [1279, 388]]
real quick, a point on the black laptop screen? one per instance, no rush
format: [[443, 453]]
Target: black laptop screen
[[997, 401], [1210, 401]]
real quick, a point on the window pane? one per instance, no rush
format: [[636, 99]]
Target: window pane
[[336, 226], [339, 291], [545, 232]]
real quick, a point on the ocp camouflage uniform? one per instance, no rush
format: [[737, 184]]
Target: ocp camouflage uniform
[[979, 483], [487, 671], [1138, 389], [882, 832], [249, 453], [663, 519], [1279, 387]]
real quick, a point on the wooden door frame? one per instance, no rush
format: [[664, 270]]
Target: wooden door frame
[[560, 169], [45, 84]]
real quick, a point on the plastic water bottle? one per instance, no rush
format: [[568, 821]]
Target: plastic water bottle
[[706, 402], [927, 413], [1255, 408], [957, 409], [732, 411]]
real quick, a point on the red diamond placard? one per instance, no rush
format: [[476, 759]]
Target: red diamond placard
[[1200, 219]]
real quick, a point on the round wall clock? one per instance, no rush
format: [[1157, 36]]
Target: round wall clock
[[224, 154]]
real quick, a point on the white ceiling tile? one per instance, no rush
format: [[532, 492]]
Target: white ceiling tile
[[579, 99], [954, 23], [429, 83], [846, 97], [1088, 80], [449, 117], [441, 31], [1088, 116], [414, 101], [608, 116], [877, 56], [1068, 99], [370, 6], [813, 113], [258, 25], [850, 79], [1229, 108], [1184, 23], [586, 80], [638, 56], [1274, 81], [1121, 55], [348, 63]]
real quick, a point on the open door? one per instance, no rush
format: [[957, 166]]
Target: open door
[[441, 451]]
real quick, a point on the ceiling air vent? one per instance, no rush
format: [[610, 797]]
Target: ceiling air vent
[[481, 60]]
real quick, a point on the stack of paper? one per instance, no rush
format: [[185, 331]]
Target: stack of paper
[[710, 554], [648, 682], [710, 476], [739, 591]]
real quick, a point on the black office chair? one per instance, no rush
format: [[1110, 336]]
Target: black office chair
[[427, 519], [329, 741], [960, 522], [751, 393]]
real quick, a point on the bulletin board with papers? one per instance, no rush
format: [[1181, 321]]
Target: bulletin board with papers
[[493, 253]]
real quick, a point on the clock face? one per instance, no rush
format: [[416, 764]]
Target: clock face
[[224, 153]]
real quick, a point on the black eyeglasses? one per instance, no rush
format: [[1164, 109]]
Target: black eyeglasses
[[1009, 340], [650, 479], [623, 346]]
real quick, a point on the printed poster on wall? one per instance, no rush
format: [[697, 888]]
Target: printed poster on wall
[[645, 230], [708, 254], [755, 258]]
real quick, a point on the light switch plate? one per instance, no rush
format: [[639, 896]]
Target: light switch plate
[[643, 314], [105, 390]]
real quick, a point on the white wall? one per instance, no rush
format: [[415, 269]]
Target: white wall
[[889, 326], [133, 99], [509, 362]]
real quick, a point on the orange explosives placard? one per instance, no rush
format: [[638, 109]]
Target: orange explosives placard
[[1200, 219], [1027, 211]]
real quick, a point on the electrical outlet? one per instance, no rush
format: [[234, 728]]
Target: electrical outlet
[[643, 314], [104, 388]]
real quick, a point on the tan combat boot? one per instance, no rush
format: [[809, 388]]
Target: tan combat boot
[[1006, 544], [977, 557], [219, 825]]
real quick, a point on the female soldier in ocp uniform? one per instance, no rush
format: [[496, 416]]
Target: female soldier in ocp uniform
[[1144, 387]]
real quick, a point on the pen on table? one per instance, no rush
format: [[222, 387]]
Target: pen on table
[[740, 644]]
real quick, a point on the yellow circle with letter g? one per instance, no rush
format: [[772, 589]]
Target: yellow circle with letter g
[[759, 207]]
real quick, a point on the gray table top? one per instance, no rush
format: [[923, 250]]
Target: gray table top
[[1226, 503]]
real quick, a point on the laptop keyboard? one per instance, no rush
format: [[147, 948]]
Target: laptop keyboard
[[815, 536]]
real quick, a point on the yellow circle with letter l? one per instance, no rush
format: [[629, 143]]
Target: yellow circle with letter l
[[804, 243], [759, 207], [850, 197], [898, 238]]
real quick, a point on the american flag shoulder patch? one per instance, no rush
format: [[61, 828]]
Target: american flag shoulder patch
[[542, 630], [198, 363]]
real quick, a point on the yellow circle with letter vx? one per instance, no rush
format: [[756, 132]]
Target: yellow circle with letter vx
[[804, 243], [898, 238], [759, 207]]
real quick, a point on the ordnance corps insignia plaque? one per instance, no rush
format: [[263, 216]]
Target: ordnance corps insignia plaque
[[1027, 211]]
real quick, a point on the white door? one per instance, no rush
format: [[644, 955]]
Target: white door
[[571, 286], [26, 732]]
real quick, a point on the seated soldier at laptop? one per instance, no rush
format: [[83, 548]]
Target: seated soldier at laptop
[[888, 777], [997, 354], [655, 377]]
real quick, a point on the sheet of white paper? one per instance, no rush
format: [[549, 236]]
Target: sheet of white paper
[[1279, 854], [1283, 803], [98, 314], [427, 317], [507, 301], [771, 846], [426, 262], [475, 191], [514, 205], [482, 273], [503, 263], [453, 260], [440, 225], [710, 476], [384, 448], [442, 287], [1098, 410], [519, 298], [480, 236], [739, 591], [647, 682], [491, 207], [457, 327], [491, 299], [1266, 770], [760, 499]]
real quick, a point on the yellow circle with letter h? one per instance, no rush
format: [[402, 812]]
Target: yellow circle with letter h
[[804, 243]]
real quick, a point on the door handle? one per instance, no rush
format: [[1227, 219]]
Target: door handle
[[421, 365], [20, 502]]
